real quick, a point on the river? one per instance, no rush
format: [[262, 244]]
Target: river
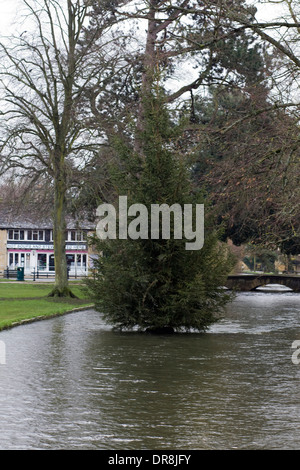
[[72, 383]]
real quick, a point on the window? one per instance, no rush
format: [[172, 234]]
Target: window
[[70, 260], [42, 261], [77, 235], [13, 260], [16, 235], [81, 260], [74, 235], [19, 259], [47, 235], [77, 262], [35, 235], [27, 265]]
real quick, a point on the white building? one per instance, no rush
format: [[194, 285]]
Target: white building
[[28, 243]]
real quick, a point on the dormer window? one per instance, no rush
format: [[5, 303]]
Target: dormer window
[[73, 235], [16, 235], [35, 235], [77, 235]]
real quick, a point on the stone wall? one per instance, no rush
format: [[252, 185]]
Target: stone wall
[[3, 252]]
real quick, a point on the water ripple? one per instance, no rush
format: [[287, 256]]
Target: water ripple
[[72, 383]]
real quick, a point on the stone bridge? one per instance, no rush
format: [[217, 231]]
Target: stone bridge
[[249, 282]]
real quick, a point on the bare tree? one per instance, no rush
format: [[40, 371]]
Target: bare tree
[[277, 151], [44, 122]]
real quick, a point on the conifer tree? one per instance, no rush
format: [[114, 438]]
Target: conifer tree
[[158, 285]]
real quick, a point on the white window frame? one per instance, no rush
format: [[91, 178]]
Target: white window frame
[[36, 232], [79, 236], [20, 256], [15, 234]]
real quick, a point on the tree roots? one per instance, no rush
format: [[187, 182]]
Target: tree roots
[[65, 292]]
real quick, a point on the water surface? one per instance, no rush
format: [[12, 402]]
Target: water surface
[[72, 383]]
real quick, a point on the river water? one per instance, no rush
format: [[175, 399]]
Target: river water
[[72, 383]]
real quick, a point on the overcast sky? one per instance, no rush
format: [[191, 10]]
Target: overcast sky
[[8, 12]]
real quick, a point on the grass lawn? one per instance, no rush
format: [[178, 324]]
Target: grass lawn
[[25, 301]]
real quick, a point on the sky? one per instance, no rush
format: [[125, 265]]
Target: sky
[[267, 11], [10, 15], [8, 11]]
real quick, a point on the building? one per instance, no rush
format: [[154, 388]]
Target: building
[[27, 242]]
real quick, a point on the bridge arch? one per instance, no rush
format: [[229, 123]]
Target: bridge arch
[[247, 283]]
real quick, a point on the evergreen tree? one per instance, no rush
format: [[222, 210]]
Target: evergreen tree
[[158, 285]]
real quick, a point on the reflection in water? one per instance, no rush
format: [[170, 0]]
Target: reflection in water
[[72, 383]]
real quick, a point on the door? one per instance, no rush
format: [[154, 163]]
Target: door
[[51, 263]]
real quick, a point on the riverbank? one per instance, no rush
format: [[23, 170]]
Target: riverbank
[[27, 302]]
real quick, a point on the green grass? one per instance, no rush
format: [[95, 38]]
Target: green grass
[[20, 302]]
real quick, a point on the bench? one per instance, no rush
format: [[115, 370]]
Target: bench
[[38, 274], [10, 273]]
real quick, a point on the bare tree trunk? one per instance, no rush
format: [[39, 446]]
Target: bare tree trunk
[[148, 74], [61, 288]]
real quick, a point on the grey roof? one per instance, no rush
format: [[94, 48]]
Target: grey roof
[[9, 219]]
